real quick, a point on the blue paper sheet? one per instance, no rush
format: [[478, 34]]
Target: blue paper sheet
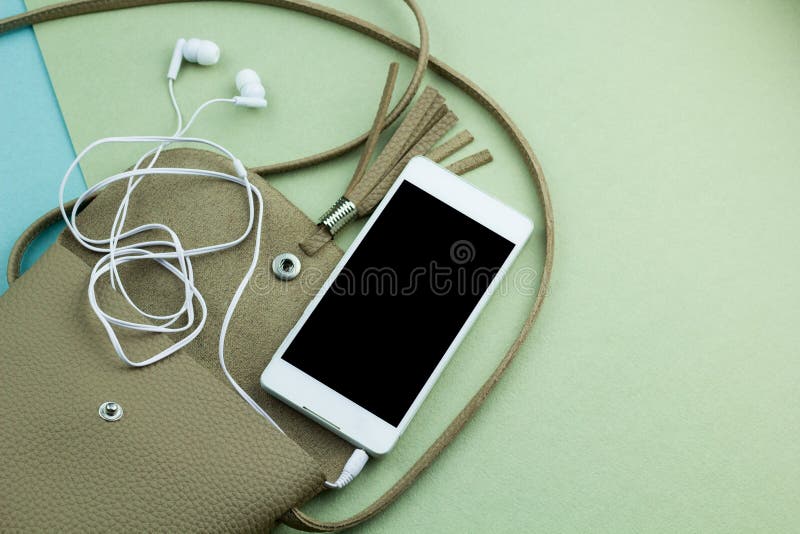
[[35, 148]]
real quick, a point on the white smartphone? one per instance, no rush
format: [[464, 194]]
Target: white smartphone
[[373, 341]]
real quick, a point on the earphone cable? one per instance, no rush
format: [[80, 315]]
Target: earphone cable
[[117, 255]]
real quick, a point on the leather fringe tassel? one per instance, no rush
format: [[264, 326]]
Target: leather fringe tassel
[[426, 123]]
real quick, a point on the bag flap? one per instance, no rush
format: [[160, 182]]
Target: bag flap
[[187, 451]]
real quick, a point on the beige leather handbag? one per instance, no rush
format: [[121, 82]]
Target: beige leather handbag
[[188, 454]]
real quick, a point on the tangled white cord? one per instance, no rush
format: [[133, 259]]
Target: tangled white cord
[[176, 259], [116, 254]]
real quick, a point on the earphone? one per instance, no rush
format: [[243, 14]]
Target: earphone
[[202, 52], [175, 259], [194, 50], [170, 253], [251, 91]]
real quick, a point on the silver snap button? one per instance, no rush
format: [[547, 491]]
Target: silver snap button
[[110, 411], [286, 266]]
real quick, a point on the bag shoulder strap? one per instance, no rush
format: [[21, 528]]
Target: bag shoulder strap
[[296, 518]]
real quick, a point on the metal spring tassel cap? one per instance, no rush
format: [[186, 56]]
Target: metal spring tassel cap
[[342, 212]]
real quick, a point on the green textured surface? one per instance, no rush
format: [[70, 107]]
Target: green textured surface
[[659, 389]]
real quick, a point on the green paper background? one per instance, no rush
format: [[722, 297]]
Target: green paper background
[[659, 389]]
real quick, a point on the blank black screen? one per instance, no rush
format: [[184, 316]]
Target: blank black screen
[[391, 313]]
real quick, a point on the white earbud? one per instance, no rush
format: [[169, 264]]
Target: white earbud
[[201, 52], [251, 90], [194, 51], [249, 84]]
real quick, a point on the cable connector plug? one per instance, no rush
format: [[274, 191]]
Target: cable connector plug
[[241, 171], [351, 469]]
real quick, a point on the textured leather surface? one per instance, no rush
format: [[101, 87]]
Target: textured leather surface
[[187, 455], [212, 211], [470, 163], [451, 146], [439, 128]]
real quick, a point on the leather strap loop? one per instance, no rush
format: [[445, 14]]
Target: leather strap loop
[[296, 518], [31, 232]]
